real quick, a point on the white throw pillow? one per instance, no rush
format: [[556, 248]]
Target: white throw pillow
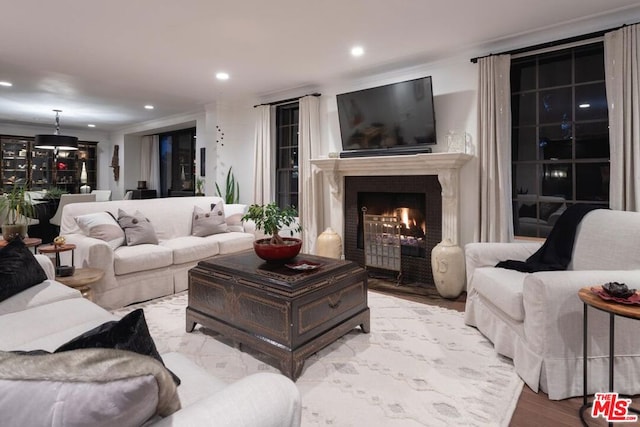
[[206, 223], [233, 216], [103, 226]]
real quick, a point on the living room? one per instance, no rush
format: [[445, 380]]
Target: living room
[[224, 117]]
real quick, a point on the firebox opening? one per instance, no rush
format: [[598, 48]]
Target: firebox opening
[[409, 207]]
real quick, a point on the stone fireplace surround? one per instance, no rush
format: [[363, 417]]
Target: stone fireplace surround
[[446, 166]]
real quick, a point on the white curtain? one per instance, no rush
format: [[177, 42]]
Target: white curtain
[[150, 161], [262, 168], [494, 149], [309, 180], [622, 59]]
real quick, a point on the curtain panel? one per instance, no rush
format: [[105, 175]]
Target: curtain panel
[[310, 180], [262, 167], [150, 161], [622, 59], [494, 150]]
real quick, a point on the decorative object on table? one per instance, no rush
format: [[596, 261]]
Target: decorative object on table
[[59, 241], [84, 188], [630, 299], [15, 207], [232, 189], [329, 244], [303, 265], [457, 141], [618, 290], [271, 219], [115, 162], [447, 266], [61, 270]]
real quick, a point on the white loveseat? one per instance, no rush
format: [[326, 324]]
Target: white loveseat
[[536, 318], [146, 271], [50, 314]]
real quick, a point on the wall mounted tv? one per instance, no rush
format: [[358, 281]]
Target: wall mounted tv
[[388, 120]]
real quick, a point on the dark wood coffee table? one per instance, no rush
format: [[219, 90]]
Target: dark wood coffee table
[[278, 311]]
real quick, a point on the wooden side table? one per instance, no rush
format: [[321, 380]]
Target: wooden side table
[[82, 280], [30, 242], [56, 249], [613, 309]]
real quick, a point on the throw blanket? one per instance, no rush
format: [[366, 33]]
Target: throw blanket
[[555, 253]]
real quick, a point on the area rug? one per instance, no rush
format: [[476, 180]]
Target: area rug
[[419, 366]]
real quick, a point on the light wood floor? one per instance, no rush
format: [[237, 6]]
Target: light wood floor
[[533, 409]]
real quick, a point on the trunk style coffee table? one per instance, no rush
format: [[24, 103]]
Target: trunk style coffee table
[[285, 313]]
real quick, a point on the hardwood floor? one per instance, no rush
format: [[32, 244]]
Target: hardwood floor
[[533, 409]]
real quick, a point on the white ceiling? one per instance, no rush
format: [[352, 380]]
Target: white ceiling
[[102, 61]]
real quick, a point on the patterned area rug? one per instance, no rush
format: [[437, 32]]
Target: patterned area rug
[[419, 366]]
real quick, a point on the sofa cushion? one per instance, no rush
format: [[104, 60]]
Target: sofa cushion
[[129, 333], [19, 269], [233, 213], [43, 293], [130, 259], [207, 222], [103, 226], [137, 228], [196, 383], [91, 387], [502, 288], [233, 241], [191, 248]]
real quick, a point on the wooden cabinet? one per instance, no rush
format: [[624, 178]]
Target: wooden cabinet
[[23, 164]]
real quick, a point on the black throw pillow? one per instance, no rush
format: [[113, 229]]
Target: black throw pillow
[[19, 269], [129, 333]]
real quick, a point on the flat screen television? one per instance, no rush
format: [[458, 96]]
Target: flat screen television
[[388, 120]]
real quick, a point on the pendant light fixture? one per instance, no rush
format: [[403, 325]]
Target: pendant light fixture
[[56, 141]]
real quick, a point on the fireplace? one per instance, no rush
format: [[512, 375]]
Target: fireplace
[[417, 202]]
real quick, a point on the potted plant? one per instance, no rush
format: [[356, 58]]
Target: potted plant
[[271, 219], [15, 207], [199, 187], [232, 189]]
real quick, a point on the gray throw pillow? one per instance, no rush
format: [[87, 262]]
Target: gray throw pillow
[[206, 223], [137, 228]]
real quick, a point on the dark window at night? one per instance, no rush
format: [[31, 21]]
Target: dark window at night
[[287, 155]]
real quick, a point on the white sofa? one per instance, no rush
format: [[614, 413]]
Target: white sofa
[[142, 272], [50, 314], [536, 318]]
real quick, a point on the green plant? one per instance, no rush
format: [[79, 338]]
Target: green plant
[[16, 205], [199, 186], [270, 219], [55, 193], [232, 189]]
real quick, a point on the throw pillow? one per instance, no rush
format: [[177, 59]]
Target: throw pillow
[[103, 226], [19, 269], [207, 223], [137, 228], [129, 333], [233, 216]]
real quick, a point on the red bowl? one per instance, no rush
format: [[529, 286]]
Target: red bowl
[[277, 253]]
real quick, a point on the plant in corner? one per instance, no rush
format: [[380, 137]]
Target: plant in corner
[[232, 189], [15, 207], [199, 187], [271, 219]]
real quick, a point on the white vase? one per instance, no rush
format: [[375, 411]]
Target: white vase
[[447, 265], [329, 244]]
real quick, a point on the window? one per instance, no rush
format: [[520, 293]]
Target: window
[[177, 163], [560, 135], [287, 155]]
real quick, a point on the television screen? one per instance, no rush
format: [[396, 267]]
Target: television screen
[[392, 119]]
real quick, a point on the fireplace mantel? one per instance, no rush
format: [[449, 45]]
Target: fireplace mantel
[[445, 165]]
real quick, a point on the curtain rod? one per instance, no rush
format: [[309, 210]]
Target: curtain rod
[[284, 101], [552, 43]]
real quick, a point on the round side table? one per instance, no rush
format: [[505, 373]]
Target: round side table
[[82, 280], [56, 249]]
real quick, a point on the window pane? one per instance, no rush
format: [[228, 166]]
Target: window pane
[[287, 158], [592, 140], [556, 107], [524, 143], [554, 70], [523, 109], [557, 179], [524, 179], [591, 102], [592, 181], [523, 75], [589, 63], [555, 142]]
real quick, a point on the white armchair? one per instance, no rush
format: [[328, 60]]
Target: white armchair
[[66, 199], [536, 318]]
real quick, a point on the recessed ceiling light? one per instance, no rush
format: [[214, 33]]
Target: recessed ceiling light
[[357, 51], [149, 107], [7, 84], [91, 125], [584, 105], [222, 76]]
